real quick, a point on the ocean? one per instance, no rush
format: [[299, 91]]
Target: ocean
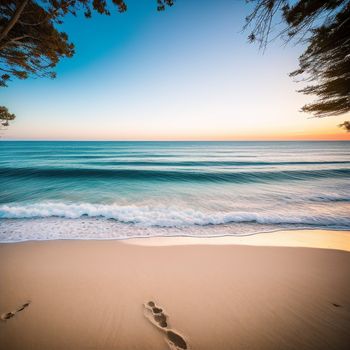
[[115, 190]]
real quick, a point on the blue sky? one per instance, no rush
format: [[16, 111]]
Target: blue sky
[[186, 73]]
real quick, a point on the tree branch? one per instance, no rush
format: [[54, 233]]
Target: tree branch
[[13, 20]]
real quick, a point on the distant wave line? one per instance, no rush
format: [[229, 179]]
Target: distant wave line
[[201, 163], [173, 175]]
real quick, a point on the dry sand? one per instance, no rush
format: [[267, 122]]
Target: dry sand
[[217, 295]]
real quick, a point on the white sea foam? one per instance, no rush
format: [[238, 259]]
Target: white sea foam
[[149, 216]]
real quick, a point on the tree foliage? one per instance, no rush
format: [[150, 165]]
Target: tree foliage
[[5, 117], [31, 43], [324, 27], [345, 125]]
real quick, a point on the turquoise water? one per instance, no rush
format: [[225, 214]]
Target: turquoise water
[[87, 190]]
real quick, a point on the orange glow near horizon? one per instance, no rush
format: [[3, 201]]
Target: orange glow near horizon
[[343, 136], [174, 129]]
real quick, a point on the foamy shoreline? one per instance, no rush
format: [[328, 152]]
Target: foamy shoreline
[[214, 293]]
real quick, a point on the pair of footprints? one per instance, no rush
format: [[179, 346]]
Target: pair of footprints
[[153, 313], [8, 315], [157, 317]]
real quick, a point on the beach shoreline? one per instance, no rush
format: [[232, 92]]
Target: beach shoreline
[[302, 238], [269, 291]]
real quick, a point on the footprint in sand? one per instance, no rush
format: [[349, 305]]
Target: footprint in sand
[[336, 305], [7, 315], [158, 317]]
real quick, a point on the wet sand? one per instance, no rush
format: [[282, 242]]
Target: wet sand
[[177, 293]]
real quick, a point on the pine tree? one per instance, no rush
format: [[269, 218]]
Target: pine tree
[[324, 27]]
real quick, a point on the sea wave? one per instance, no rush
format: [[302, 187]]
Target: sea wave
[[207, 163], [149, 216], [329, 198], [176, 175]]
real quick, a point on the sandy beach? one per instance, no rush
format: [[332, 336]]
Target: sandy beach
[[285, 291]]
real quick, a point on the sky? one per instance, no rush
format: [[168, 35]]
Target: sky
[[187, 73]]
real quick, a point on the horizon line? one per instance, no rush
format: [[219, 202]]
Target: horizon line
[[176, 140]]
